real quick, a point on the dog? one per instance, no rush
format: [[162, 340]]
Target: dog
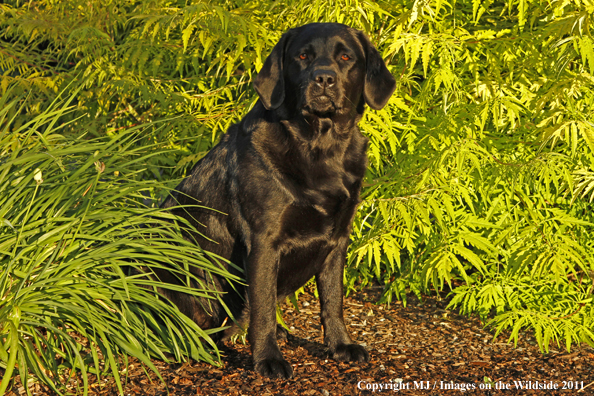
[[282, 187]]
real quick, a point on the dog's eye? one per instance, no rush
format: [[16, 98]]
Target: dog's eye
[[345, 57], [303, 56]]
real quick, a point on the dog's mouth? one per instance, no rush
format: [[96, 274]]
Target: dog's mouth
[[321, 105], [322, 98]]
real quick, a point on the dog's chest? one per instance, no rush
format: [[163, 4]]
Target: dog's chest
[[323, 211], [319, 183]]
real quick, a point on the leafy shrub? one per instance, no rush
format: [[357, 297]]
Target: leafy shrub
[[72, 224], [481, 169]]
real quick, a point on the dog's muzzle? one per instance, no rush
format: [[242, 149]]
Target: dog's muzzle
[[321, 92]]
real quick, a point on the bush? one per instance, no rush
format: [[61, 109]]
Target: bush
[[72, 224], [482, 168]]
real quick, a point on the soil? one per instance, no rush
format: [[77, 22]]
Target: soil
[[420, 349]]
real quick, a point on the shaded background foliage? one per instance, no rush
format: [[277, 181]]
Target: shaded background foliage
[[481, 174]]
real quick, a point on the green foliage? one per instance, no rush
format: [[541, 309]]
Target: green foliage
[[487, 182], [481, 169], [138, 62], [481, 173], [72, 224]]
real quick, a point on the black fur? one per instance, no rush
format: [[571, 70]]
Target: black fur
[[285, 184]]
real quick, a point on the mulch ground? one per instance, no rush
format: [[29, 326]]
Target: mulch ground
[[420, 349]]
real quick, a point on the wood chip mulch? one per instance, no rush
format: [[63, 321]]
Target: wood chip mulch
[[420, 349]]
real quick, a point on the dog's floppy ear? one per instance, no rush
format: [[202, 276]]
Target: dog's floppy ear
[[379, 82], [269, 83]]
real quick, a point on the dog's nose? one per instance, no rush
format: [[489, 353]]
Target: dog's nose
[[324, 78]]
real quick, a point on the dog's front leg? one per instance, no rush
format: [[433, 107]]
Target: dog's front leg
[[330, 285], [262, 272]]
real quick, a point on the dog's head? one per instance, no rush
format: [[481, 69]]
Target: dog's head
[[324, 69]]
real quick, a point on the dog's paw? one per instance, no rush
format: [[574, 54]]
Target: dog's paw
[[274, 368], [350, 353]]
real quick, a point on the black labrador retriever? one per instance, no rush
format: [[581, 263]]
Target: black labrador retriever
[[285, 184]]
